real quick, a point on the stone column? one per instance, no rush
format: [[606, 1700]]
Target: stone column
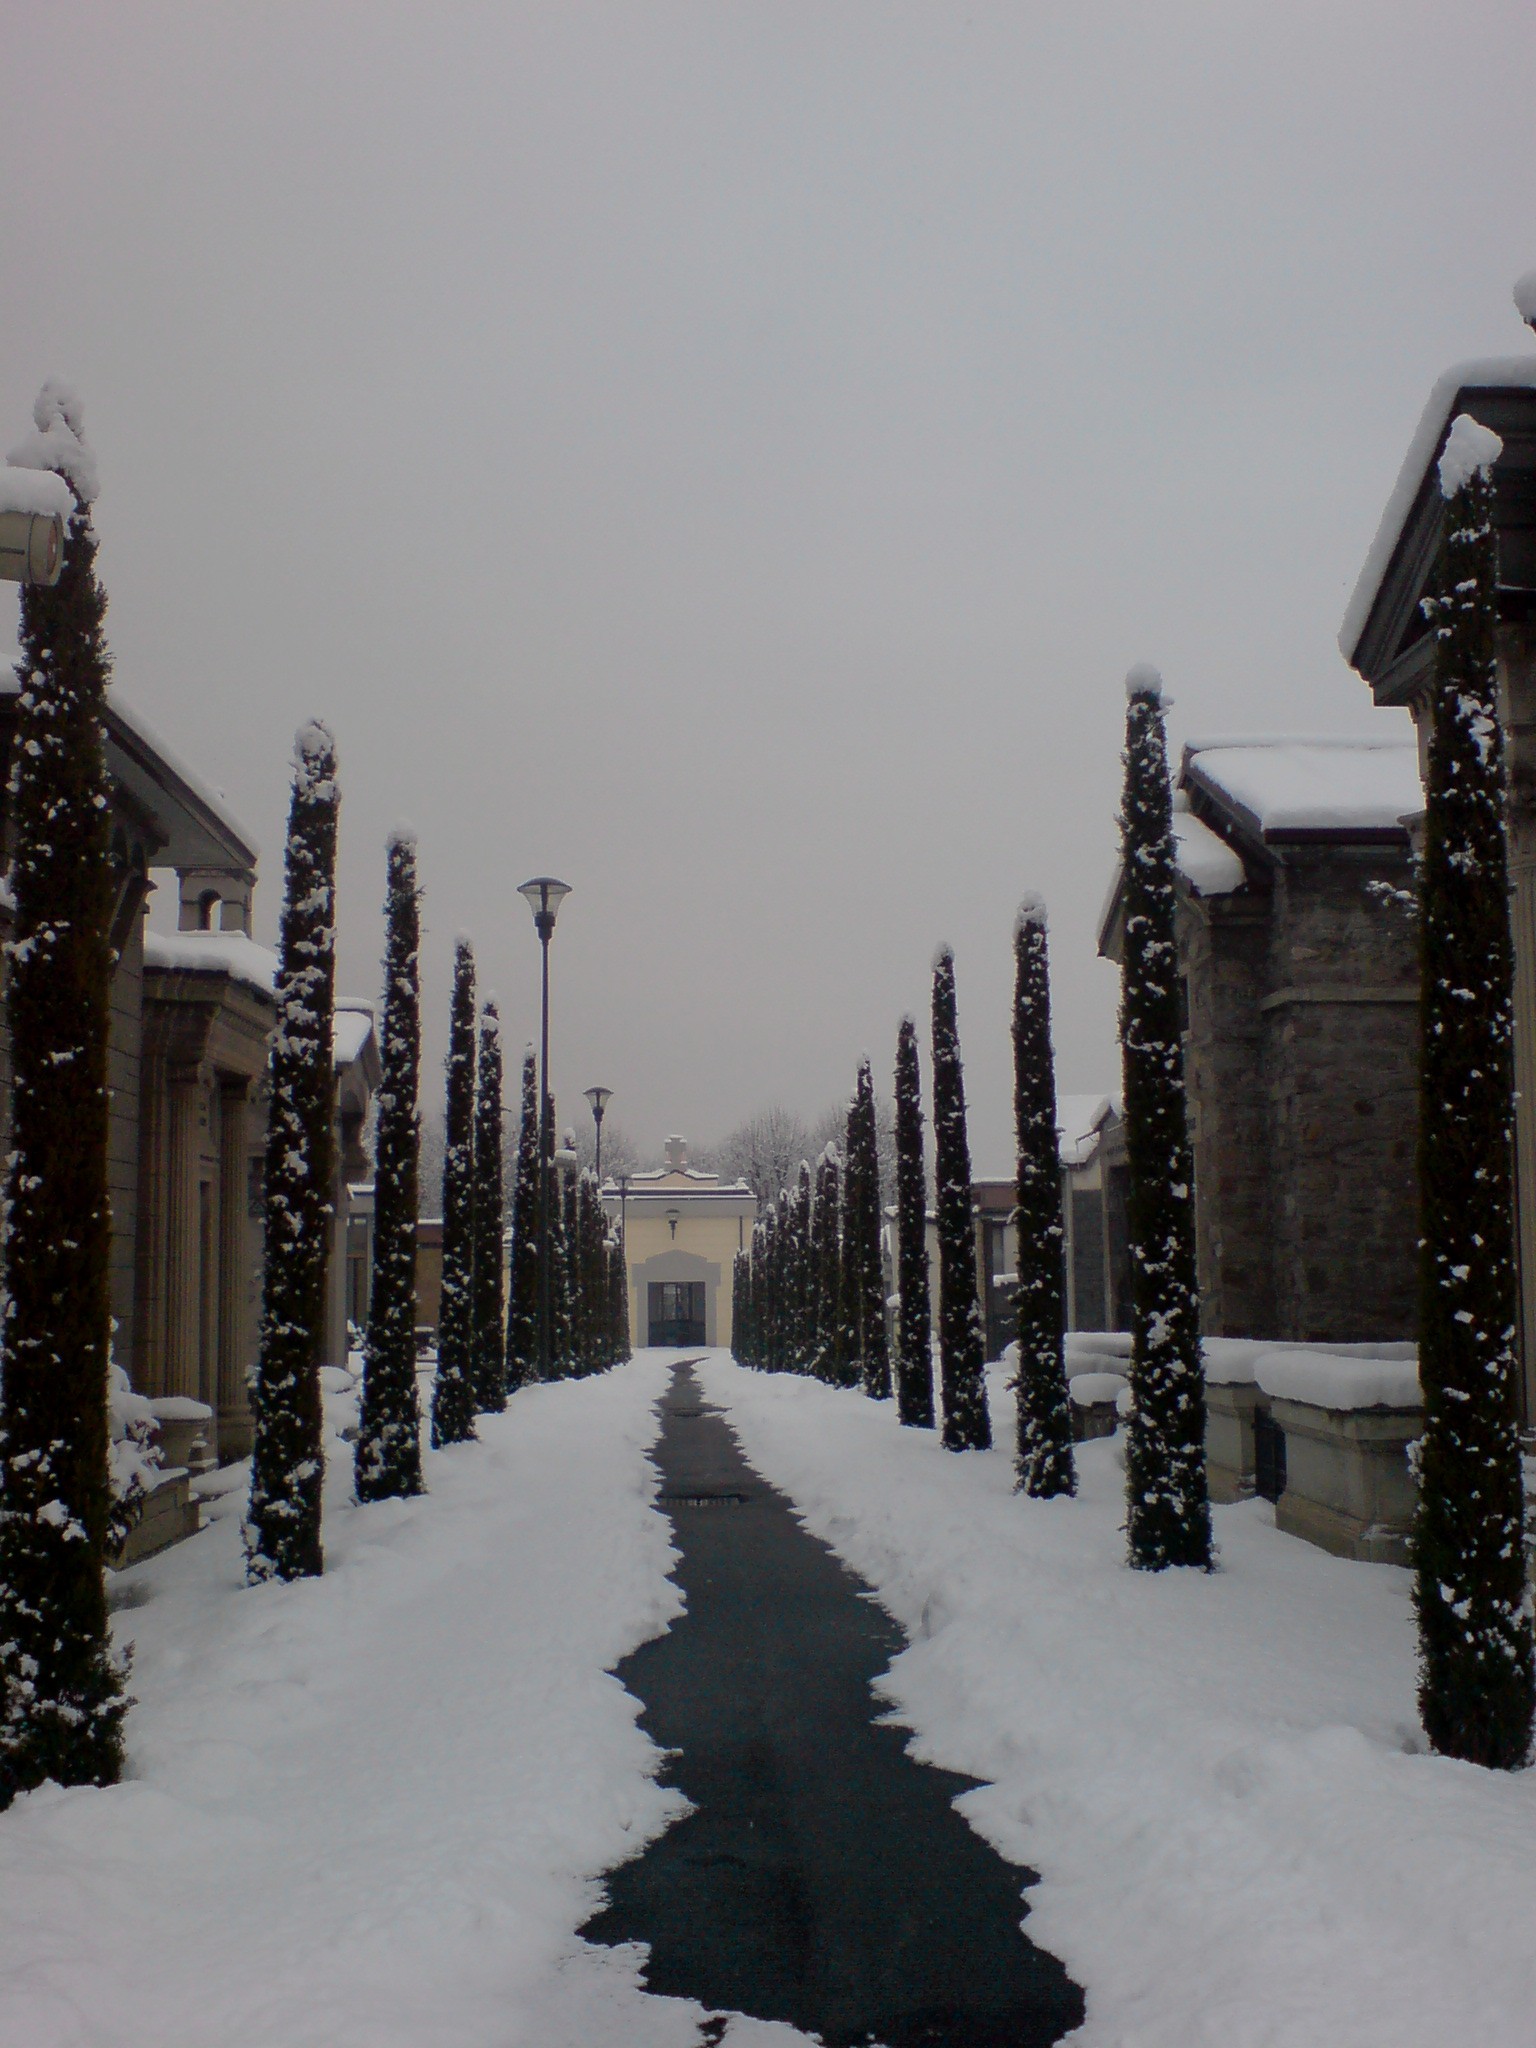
[[1517, 678], [148, 1369], [234, 1345], [183, 1265]]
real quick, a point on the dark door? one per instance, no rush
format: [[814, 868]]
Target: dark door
[[677, 1312]]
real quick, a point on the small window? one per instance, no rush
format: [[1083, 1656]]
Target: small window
[[207, 909]]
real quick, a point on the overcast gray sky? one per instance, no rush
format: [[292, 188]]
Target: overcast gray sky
[[728, 454]]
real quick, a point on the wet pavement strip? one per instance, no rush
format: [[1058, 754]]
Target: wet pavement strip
[[823, 1878]]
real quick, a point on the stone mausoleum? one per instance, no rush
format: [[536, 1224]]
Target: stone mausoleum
[[191, 1014], [1298, 964]]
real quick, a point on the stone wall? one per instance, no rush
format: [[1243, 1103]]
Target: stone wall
[[1301, 1067]]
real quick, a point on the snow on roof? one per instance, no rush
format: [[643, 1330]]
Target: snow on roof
[[230, 953], [351, 1028], [35, 490], [1313, 785], [126, 721], [1487, 373], [1204, 859], [1077, 1121]]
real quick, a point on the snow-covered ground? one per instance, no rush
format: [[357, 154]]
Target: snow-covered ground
[[1219, 1778], [370, 1811], [366, 1811]]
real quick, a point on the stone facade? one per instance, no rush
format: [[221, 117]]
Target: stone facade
[[1384, 637], [191, 1013], [682, 1230], [1299, 965]]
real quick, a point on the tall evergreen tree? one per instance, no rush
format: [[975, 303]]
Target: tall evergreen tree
[[1168, 1518], [802, 1305], [962, 1344], [490, 1209], [570, 1218], [1045, 1462], [559, 1277], [618, 1285], [832, 1361], [282, 1529], [861, 1230], [914, 1315], [523, 1306], [1476, 1684], [63, 1704], [387, 1459], [453, 1389]]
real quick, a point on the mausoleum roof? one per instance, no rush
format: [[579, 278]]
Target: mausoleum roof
[[1276, 789]]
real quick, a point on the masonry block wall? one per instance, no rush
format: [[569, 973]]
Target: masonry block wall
[[1301, 1067]]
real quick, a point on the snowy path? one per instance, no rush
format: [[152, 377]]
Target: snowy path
[[823, 1877], [1217, 1778], [367, 1810]]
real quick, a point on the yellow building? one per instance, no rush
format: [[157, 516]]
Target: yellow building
[[682, 1231]]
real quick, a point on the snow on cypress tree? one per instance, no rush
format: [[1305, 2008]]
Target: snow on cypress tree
[[962, 1345], [1168, 1519], [282, 1528], [387, 1459], [523, 1307], [453, 1390], [832, 1360], [618, 1285], [490, 1209], [861, 1228], [63, 1704], [1045, 1463], [914, 1315], [804, 1278], [1476, 1686], [571, 1245]]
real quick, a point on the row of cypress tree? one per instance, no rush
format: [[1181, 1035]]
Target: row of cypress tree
[[809, 1296], [62, 1687]]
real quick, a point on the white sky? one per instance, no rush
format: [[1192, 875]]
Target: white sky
[[728, 454]]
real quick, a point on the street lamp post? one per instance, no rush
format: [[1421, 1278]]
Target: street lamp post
[[544, 896], [598, 1098]]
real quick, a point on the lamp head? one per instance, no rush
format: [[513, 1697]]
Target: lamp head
[[544, 896], [598, 1098]]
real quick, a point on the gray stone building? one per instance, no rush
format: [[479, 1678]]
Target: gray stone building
[[191, 1015], [1297, 954], [1385, 638]]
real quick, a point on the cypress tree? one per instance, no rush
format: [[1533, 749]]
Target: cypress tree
[[1476, 1685], [594, 1276], [1168, 1517], [570, 1217], [282, 1529], [63, 1703], [832, 1360], [914, 1316], [802, 1276], [490, 1209], [523, 1307], [560, 1367], [387, 1459], [861, 1228], [1045, 1462], [453, 1390], [962, 1346], [618, 1284]]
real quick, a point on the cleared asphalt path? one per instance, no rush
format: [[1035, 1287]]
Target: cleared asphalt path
[[823, 1878]]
